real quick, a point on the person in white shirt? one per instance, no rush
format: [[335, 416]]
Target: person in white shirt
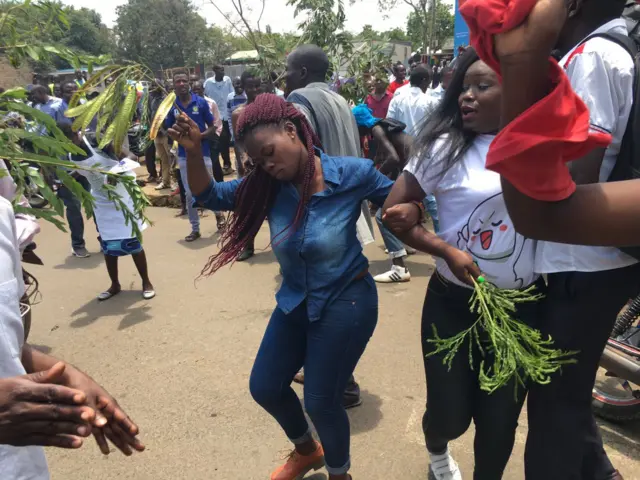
[[117, 238], [476, 235], [55, 405], [588, 286], [218, 89], [414, 105]]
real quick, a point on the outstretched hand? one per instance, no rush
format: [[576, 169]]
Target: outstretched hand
[[186, 132], [538, 34], [110, 422], [36, 411]]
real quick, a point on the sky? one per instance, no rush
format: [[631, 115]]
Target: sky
[[277, 14]]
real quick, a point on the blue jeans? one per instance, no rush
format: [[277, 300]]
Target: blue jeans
[[74, 213], [329, 350], [394, 246], [432, 207], [191, 210]]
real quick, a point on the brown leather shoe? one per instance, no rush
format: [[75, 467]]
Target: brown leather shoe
[[297, 466]]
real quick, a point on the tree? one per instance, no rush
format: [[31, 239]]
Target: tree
[[397, 34], [23, 26], [48, 34], [161, 33], [419, 26], [421, 21]]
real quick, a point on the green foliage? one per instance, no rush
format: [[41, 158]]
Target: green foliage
[[169, 34], [516, 350], [50, 35], [419, 26]]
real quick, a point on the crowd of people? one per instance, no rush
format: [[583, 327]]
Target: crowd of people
[[315, 169]]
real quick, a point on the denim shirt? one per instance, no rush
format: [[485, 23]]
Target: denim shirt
[[323, 255]]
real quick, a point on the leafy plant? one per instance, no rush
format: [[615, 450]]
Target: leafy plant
[[23, 146], [516, 350], [26, 27]]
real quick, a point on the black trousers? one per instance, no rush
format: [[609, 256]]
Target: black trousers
[[454, 397], [150, 160], [564, 442], [224, 142]]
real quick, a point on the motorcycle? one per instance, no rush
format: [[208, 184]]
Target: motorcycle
[[616, 397]]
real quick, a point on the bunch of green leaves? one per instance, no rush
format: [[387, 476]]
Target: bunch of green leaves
[[366, 64], [25, 145], [26, 27], [114, 108], [509, 348]]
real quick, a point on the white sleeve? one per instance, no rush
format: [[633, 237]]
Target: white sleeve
[[427, 169], [393, 111], [606, 88]]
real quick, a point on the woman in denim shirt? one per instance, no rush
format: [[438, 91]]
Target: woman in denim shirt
[[327, 307]]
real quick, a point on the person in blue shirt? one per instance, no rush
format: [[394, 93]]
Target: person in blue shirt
[[327, 307], [198, 110]]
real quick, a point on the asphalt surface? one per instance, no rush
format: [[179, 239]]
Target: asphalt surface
[[179, 364]]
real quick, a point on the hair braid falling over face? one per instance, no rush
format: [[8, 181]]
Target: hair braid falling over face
[[257, 192]]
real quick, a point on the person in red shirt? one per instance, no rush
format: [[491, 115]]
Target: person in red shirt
[[378, 100], [400, 73]]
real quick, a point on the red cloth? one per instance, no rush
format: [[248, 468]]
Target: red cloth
[[379, 108], [531, 152], [393, 86]]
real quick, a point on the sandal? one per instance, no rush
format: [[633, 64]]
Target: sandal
[[148, 294], [106, 295]]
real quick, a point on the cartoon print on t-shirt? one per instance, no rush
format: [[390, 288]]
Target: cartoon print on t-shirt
[[490, 238]]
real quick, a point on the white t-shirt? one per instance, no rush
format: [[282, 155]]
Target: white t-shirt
[[411, 108], [110, 220], [601, 73], [16, 463], [473, 216]]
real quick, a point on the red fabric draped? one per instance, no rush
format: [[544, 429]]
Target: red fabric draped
[[532, 151]]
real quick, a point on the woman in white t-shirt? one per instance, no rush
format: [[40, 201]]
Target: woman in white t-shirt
[[116, 232], [476, 236]]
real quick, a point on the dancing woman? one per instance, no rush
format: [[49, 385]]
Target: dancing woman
[[327, 307], [476, 235]]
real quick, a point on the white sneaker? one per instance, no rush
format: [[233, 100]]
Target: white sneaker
[[443, 467], [161, 186], [395, 275]]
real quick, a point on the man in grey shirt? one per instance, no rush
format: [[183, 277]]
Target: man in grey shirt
[[331, 118], [328, 113]]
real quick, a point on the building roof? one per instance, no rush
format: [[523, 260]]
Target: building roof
[[244, 55]]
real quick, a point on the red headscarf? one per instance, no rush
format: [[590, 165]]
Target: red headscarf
[[531, 152]]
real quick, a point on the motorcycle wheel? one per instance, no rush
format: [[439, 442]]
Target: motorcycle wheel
[[37, 201], [613, 402]]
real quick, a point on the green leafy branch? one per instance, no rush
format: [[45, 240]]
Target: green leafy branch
[[516, 350]]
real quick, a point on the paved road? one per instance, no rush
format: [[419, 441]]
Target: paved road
[[180, 364]]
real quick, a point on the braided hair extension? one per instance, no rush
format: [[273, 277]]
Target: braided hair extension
[[257, 192]]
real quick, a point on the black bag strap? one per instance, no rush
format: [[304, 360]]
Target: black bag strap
[[631, 168]]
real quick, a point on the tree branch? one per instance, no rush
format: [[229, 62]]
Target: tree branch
[[233, 25]]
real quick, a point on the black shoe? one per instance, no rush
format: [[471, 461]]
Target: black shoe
[[351, 396], [192, 237], [351, 401], [245, 255]]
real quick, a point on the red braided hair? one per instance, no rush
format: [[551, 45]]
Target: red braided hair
[[257, 192]]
